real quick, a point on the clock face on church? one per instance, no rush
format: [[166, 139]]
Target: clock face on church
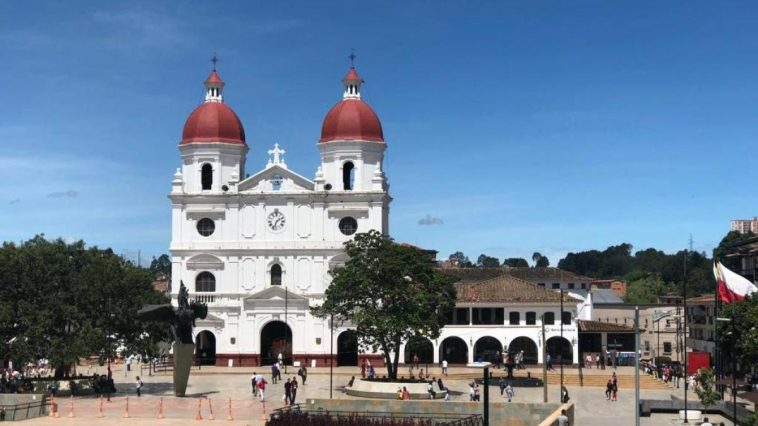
[[276, 220]]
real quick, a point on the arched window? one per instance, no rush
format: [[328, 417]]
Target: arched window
[[348, 176], [276, 275], [206, 176], [205, 282]]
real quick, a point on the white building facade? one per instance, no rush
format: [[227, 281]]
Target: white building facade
[[258, 249]]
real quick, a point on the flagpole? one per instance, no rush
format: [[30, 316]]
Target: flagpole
[[686, 372]]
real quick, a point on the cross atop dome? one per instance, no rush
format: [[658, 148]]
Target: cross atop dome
[[277, 156], [214, 85], [352, 81]]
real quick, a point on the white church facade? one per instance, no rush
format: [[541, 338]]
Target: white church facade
[[257, 247]]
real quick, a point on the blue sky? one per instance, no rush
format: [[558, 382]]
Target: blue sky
[[521, 126]]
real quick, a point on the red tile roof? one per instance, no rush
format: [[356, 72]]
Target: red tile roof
[[506, 289], [601, 327], [547, 275]]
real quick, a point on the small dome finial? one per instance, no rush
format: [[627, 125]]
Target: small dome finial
[[214, 59], [352, 57]]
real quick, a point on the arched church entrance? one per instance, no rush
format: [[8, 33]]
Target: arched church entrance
[[487, 349], [422, 347], [454, 350], [347, 348], [205, 348], [560, 350], [524, 344], [276, 338]]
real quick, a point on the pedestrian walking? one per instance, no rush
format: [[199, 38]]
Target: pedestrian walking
[[293, 391], [564, 395], [549, 362], [303, 373], [363, 368], [608, 389], [597, 361], [509, 392], [501, 383], [588, 362], [444, 367], [287, 392], [261, 388], [274, 373], [476, 392], [139, 387], [255, 385], [415, 361]]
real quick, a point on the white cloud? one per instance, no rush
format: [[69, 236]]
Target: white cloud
[[430, 220]]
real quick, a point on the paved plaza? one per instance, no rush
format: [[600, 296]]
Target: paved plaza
[[222, 386]]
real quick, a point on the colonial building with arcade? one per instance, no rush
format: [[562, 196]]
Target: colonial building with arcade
[[257, 247]]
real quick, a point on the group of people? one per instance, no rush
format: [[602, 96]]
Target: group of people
[[367, 369], [506, 389]]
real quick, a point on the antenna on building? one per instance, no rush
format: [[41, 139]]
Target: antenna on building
[[691, 241]]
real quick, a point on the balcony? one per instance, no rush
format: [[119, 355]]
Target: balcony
[[217, 300]]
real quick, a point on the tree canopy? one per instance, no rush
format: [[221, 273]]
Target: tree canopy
[[390, 293], [739, 340], [460, 260], [161, 265], [66, 301], [540, 261], [516, 262], [484, 261]]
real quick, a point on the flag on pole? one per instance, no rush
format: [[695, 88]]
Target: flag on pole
[[731, 286]]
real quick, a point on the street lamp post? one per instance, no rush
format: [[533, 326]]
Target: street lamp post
[[485, 366], [560, 393], [331, 356]]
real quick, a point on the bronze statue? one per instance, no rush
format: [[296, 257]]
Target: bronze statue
[[181, 319]]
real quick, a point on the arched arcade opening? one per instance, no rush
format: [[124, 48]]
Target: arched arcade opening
[[528, 346], [205, 348], [419, 346], [560, 350], [487, 348], [347, 348], [454, 350], [276, 338]]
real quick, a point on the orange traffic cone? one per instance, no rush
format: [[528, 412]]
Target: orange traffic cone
[[210, 410], [160, 408], [229, 416], [126, 411], [199, 415], [100, 414]]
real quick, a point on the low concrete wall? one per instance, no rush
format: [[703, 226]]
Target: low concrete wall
[[502, 414], [23, 406], [552, 420], [388, 390]]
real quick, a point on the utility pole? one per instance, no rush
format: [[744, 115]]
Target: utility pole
[[684, 291], [637, 365], [560, 393], [286, 329], [544, 362]]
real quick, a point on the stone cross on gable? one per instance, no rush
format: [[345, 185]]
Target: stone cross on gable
[[276, 153]]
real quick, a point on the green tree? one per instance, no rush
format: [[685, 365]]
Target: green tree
[[390, 293], [161, 265], [484, 261], [516, 262], [461, 260], [740, 338], [705, 387], [66, 301], [723, 249], [540, 261], [645, 288]]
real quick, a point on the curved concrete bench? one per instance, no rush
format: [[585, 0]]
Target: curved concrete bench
[[388, 390]]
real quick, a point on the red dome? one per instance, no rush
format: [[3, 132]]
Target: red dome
[[213, 122], [351, 119]]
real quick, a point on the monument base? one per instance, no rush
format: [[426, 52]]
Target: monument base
[[182, 364]]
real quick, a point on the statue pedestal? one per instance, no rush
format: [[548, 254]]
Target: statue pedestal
[[182, 365]]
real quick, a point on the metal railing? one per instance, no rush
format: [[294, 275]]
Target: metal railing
[[438, 419]]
